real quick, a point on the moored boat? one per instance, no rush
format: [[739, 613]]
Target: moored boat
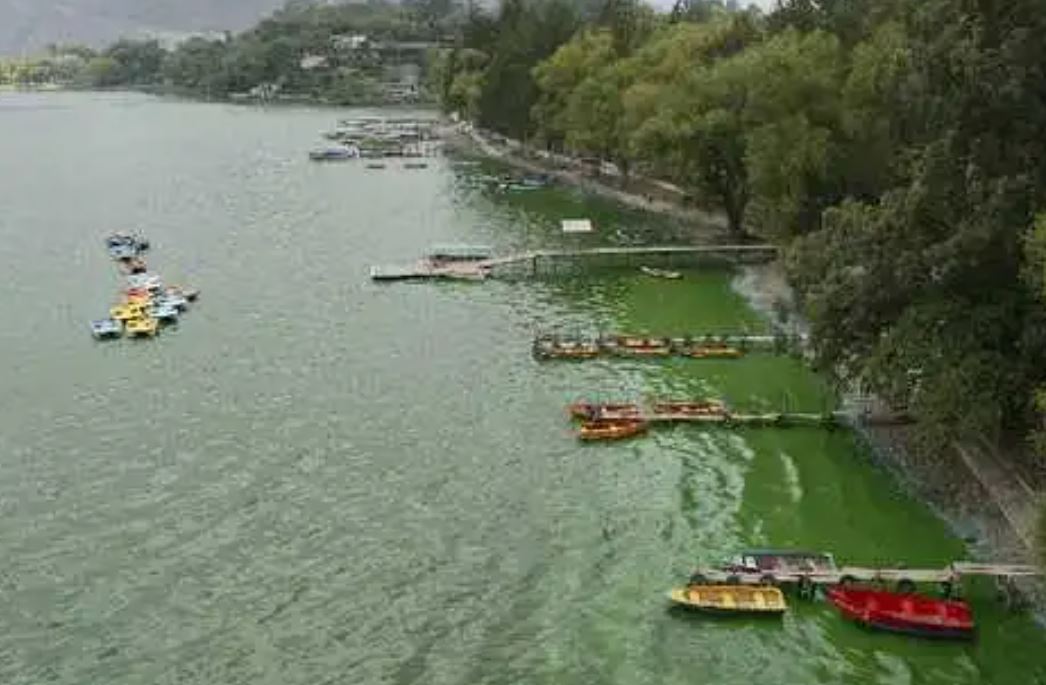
[[190, 294], [590, 411], [106, 328], [713, 351], [142, 327], [731, 599], [909, 614], [691, 408], [146, 281], [334, 153], [611, 429], [126, 312], [661, 273], [164, 312], [565, 349], [642, 347]]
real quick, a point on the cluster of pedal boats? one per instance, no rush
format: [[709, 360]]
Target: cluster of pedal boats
[[145, 302], [902, 611], [559, 347]]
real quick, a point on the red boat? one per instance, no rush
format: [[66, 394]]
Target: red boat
[[904, 613]]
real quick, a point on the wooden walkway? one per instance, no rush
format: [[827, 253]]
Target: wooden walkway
[[538, 261], [953, 574]]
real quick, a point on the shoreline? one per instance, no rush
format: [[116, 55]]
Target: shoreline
[[652, 197]]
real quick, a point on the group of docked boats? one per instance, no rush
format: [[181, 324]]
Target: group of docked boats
[[146, 303], [560, 347], [619, 421], [902, 611], [375, 138]]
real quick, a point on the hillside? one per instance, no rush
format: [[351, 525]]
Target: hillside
[[28, 25]]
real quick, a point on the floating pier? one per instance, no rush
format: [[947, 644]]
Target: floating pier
[[698, 345], [553, 262], [901, 577]]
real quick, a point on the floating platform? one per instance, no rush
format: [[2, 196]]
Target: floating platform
[[426, 271], [694, 346], [901, 577]]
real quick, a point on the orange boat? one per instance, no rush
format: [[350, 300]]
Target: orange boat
[[713, 351], [590, 411], [567, 350], [607, 429], [655, 347], [703, 408]]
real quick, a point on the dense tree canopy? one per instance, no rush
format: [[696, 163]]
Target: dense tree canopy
[[894, 149]]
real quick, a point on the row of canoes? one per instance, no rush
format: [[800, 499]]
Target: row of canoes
[[632, 346], [601, 422], [899, 612], [145, 303]]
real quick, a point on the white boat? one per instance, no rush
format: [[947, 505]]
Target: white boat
[[660, 273]]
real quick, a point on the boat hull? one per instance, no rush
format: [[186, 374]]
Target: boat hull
[[730, 600], [906, 614]]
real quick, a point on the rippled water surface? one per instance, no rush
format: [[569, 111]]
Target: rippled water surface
[[319, 480]]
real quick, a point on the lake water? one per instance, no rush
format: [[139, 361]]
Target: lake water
[[315, 479]]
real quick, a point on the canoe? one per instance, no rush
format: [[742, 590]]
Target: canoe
[[713, 352], [660, 273], [701, 408], [605, 429], [731, 599], [909, 614], [588, 410], [142, 327], [566, 350]]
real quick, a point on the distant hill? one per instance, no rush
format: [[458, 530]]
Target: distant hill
[[28, 25]]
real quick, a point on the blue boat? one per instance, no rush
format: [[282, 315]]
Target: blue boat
[[125, 246], [332, 154], [163, 312], [106, 328], [172, 301]]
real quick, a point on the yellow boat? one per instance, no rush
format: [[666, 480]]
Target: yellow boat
[[127, 311], [142, 327], [731, 599]]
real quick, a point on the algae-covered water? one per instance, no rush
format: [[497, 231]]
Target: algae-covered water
[[315, 479]]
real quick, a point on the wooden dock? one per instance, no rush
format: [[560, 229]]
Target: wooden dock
[[699, 345], [552, 262], [951, 574]]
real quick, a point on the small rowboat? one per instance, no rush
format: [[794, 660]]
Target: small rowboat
[[643, 347], [589, 411], [566, 350], [606, 429], [133, 265], [713, 352], [190, 294], [660, 273], [704, 408], [106, 328], [126, 312], [142, 327], [731, 599], [909, 614]]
